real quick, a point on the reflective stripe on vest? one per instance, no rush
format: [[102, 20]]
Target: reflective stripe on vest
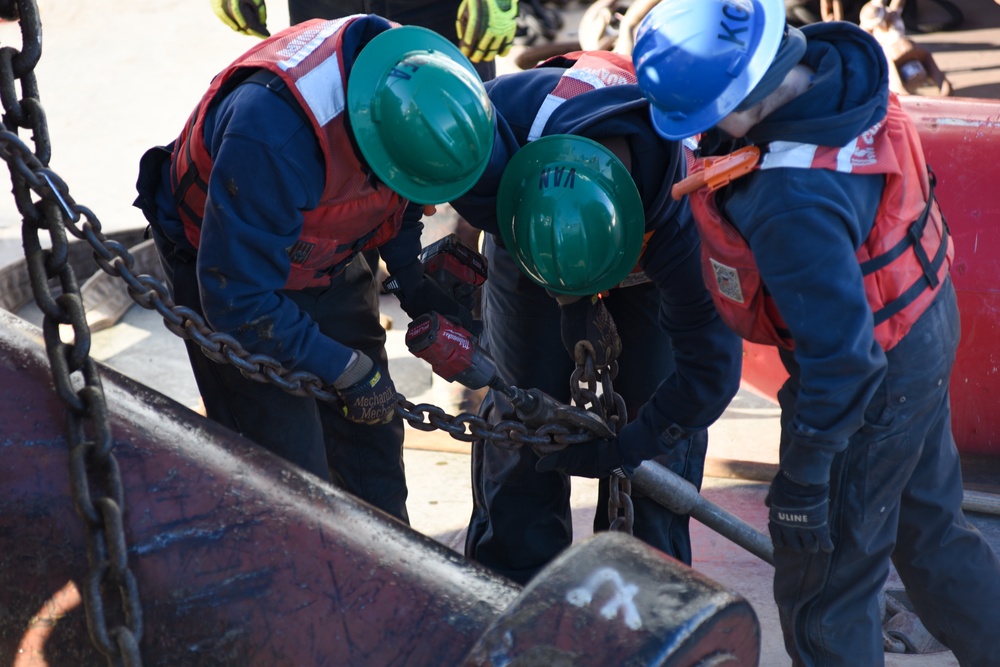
[[353, 214], [904, 259], [590, 71]]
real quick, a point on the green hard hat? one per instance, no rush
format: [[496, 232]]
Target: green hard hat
[[420, 114], [570, 215]]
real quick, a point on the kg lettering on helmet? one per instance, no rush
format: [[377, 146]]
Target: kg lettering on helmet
[[420, 114], [697, 60], [570, 215]]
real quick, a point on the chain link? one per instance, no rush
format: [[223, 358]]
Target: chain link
[[95, 481], [591, 388]]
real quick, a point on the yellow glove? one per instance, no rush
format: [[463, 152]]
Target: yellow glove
[[246, 16], [486, 28]]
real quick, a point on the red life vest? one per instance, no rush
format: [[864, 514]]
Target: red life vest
[[589, 70], [904, 259], [352, 215]]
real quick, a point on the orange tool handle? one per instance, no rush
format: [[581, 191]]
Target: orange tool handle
[[718, 171]]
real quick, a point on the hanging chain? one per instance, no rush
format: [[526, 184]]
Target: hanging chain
[[591, 388], [95, 482]]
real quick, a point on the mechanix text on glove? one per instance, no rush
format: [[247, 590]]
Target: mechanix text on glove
[[369, 395]]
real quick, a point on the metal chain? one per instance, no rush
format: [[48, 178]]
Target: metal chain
[[585, 381], [95, 482], [148, 292]]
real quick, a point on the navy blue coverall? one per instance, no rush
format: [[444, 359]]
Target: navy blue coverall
[[680, 364], [876, 424], [265, 147]]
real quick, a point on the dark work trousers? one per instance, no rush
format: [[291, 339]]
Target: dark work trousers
[[434, 15], [366, 461], [896, 492], [521, 518]]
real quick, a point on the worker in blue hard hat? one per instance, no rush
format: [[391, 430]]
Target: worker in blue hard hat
[[326, 140], [822, 236]]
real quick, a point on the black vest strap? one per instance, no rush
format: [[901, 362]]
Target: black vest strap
[[929, 280]]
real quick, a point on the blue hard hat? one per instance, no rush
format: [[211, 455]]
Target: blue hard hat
[[696, 60]]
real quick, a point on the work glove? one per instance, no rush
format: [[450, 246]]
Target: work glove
[[486, 28], [620, 456], [588, 319], [369, 395], [798, 518], [246, 16], [418, 294]]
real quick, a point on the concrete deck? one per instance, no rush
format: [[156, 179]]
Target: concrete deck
[[114, 83]]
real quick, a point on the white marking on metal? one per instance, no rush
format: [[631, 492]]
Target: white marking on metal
[[621, 598]]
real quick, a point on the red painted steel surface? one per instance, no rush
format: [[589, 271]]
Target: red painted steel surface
[[961, 139], [242, 560]]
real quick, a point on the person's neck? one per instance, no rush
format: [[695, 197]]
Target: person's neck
[[796, 82]]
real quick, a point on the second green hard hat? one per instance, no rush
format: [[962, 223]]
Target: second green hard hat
[[570, 215]]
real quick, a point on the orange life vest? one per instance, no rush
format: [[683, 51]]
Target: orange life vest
[[352, 214], [904, 259]]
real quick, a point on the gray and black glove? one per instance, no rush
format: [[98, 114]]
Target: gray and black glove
[[369, 395], [587, 319], [799, 514]]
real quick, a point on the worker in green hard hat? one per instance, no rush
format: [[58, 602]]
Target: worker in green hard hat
[[326, 140], [570, 215], [588, 254]]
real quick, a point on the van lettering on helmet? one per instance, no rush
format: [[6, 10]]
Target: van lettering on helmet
[[738, 14], [400, 74], [559, 177]]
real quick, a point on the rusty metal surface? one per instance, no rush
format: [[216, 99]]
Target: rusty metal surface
[[958, 135], [240, 559], [621, 603]]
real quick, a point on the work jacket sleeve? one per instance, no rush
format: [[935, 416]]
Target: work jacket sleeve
[[267, 169], [804, 227], [479, 205], [404, 249], [707, 354]]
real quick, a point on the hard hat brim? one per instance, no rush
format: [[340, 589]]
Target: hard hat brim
[[521, 174], [676, 127], [368, 73]]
